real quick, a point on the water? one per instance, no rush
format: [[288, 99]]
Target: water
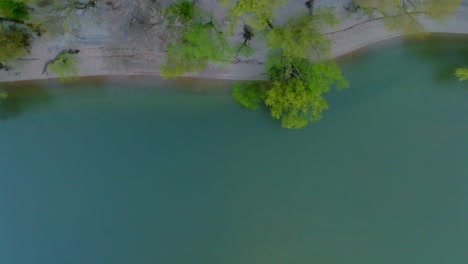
[[132, 171]]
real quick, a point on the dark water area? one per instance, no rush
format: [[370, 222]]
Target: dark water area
[[144, 171]]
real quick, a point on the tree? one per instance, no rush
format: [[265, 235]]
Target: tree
[[404, 15], [302, 34], [257, 13], [249, 94], [196, 41], [13, 9], [294, 89], [462, 74], [64, 65], [14, 42], [15, 31], [180, 12], [297, 88]]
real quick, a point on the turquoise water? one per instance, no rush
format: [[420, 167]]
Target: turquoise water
[[144, 171]]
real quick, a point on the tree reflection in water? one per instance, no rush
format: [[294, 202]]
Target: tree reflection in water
[[22, 97], [439, 50]]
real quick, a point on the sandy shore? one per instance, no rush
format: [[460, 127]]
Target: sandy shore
[[117, 45]]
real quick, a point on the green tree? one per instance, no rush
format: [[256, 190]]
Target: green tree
[[64, 65], [293, 91], [14, 42], [180, 12], [462, 74], [302, 34], [258, 13], [405, 15], [295, 85], [15, 30], [196, 43], [13, 9], [297, 88], [249, 94]]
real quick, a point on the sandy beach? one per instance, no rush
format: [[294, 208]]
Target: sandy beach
[[116, 40]]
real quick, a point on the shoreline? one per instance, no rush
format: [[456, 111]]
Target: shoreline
[[355, 33]]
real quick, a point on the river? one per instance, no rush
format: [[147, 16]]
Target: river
[[139, 170]]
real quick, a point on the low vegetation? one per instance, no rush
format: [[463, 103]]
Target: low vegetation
[[462, 74]]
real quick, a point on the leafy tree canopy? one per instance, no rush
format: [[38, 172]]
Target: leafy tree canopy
[[13, 9], [294, 90], [302, 34], [462, 74], [180, 11], [15, 32], [64, 65], [249, 94], [297, 88], [195, 45], [14, 42], [404, 15], [258, 13]]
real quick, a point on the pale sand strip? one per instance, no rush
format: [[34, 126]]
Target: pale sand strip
[[98, 60]]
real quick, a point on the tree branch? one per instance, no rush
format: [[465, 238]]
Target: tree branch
[[30, 26]]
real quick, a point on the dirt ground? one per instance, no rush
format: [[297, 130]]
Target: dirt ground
[[127, 37]]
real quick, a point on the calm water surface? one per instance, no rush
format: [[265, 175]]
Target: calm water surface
[[145, 171]]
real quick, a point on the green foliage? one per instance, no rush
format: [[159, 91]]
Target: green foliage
[[199, 45], [296, 96], [258, 13], [183, 11], [404, 15], [293, 104], [462, 74], [14, 42], [65, 66], [13, 9], [302, 34], [250, 94], [294, 89], [194, 46], [295, 85]]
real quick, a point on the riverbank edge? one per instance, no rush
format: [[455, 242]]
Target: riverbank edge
[[353, 34]]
